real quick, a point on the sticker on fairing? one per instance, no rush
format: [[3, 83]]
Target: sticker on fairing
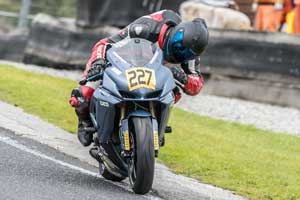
[[116, 71], [140, 77]]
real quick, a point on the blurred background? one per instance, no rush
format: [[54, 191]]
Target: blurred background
[[253, 51], [10, 11], [263, 15]]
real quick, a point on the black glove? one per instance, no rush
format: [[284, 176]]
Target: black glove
[[192, 67], [97, 68]]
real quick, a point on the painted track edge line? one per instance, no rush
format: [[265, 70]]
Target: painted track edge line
[[14, 143]]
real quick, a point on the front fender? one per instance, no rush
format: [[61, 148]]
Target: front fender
[[139, 113]]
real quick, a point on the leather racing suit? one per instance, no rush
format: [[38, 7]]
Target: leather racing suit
[[153, 28]]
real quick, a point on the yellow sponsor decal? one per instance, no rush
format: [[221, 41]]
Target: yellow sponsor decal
[[140, 77], [156, 145], [126, 141]]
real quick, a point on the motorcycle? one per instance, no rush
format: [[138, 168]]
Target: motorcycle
[[130, 111]]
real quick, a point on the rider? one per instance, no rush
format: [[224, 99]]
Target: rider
[[181, 42]]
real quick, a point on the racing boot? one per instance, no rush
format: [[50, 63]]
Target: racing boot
[[85, 132], [80, 99]]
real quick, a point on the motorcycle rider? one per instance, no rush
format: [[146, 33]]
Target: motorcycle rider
[[181, 43]]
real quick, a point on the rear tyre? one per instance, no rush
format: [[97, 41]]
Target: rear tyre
[[141, 166]]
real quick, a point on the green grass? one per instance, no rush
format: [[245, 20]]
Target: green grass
[[42, 95], [255, 163], [251, 162]]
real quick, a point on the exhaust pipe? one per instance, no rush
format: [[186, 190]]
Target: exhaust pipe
[[100, 155]]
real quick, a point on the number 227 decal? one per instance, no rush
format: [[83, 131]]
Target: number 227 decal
[[140, 77]]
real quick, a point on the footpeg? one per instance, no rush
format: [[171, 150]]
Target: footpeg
[[168, 129], [94, 152]]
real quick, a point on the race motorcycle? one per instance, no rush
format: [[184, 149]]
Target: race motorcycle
[[130, 111]]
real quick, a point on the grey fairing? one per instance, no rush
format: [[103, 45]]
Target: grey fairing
[[166, 106], [164, 77], [102, 112]]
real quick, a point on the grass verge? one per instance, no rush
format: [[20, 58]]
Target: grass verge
[[41, 95], [254, 163]]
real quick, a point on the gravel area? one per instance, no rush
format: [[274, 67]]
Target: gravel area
[[264, 116]]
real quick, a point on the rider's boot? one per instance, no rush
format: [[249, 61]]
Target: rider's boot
[[80, 99], [85, 135]]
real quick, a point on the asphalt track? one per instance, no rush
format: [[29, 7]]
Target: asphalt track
[[32, 171], [29, 134]]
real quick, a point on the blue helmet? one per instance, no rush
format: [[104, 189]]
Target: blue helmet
[[185, 41]]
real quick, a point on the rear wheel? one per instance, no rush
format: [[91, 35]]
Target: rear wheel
[[141, 166]]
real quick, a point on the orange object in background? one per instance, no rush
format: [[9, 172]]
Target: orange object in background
[[293, 18], [267, 18], [290, 22], [297, 17]]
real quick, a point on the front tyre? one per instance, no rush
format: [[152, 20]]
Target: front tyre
[[141, 166]]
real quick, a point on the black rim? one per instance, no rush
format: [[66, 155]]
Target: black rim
[[132, 172], [132, 162]]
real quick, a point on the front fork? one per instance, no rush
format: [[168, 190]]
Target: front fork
[[125, 138]]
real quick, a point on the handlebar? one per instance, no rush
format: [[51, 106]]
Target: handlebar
[[95, 77], [92, 78]]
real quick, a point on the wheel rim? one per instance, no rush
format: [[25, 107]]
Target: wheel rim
[[132, 165], [132, 171]]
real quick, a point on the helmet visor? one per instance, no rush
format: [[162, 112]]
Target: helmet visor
[[181, 53]]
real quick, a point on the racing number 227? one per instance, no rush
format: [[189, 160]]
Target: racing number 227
[[140, 77]]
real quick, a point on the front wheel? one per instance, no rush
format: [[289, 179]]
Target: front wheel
[[141, 166]]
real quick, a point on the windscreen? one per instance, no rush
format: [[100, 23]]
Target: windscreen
[[137, 52]]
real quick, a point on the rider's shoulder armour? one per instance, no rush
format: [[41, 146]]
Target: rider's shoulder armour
[[149, 27]]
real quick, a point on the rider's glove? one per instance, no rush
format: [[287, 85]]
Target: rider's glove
[[97, 68], [194, 84]]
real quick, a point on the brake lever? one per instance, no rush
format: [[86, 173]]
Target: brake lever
[[95, 77], [92, 78], [83, 82]]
